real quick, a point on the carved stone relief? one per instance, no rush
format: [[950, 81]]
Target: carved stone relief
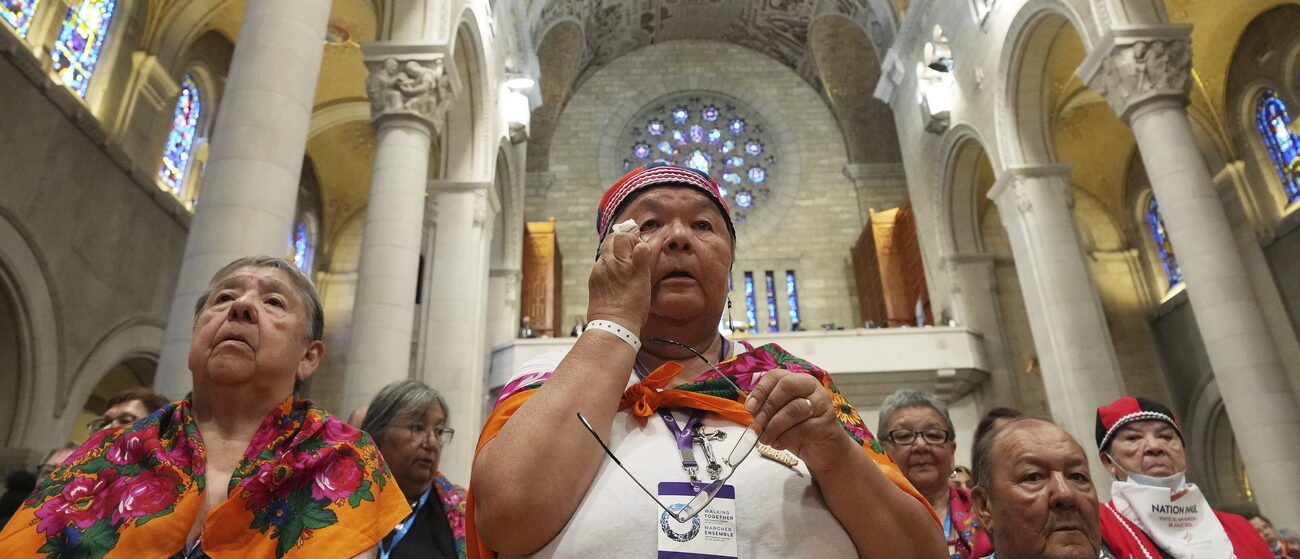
[[412, 87], [1143, 69]]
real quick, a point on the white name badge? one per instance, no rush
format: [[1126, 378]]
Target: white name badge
[[709, 535]]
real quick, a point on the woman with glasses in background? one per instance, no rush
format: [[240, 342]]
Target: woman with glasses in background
[[919, 437], [408, 420], [678, 407]]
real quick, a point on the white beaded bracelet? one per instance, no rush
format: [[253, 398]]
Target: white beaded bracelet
[[615, 329]]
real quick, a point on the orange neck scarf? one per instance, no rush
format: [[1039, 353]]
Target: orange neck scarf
[[644, 397]]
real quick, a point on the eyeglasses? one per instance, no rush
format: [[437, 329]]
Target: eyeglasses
[[110, 422], [745, 444], [906, 437], [421, 431]]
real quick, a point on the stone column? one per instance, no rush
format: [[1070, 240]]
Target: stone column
[[454, 352], [1145, 75], [250, 185], [409, 93], [975, 305], [1080, 371]]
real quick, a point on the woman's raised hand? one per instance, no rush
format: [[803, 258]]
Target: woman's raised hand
[[796, 414], [619, 285]]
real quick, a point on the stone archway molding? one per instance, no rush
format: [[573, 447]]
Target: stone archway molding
[[132, 338], [40, 377]]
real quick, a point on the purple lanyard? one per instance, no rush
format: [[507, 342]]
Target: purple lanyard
[[685, 439]]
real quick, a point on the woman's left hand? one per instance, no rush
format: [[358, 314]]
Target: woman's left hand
[[796, 414]]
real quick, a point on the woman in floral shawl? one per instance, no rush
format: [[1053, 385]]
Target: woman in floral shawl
[[542, 487], [242, 470]]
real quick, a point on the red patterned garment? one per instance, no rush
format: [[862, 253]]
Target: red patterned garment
[[309, 485], [1127, 541]]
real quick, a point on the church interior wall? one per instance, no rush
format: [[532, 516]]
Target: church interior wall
[[110, 239], [1265, 58], [810, 231]]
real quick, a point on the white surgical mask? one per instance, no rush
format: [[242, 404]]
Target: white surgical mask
[[1176, 481]]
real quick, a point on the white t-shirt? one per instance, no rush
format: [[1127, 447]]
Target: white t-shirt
[[780, 511]]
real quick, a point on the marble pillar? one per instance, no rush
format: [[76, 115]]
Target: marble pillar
[[1080, 370], [1145, 75], [250, 185], [454, 345], [409, 91]]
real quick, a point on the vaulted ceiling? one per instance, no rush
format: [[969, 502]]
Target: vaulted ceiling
[[778, 28], [833, 44]]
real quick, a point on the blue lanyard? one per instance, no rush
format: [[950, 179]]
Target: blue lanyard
[[947, 524], [400, 531]]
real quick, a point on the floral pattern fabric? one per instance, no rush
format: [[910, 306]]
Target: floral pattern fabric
[[308, 485], [971, 541], [452, 497], [746, 370]]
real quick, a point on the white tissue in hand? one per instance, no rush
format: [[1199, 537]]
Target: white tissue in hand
[[625, 226]]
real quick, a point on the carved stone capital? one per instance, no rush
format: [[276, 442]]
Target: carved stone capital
[[415, 88], [1134, 66], [1019, 188]]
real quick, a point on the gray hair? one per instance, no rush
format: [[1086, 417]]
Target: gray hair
[[306, 289], [982, 454], [912, 398], [398, 399]]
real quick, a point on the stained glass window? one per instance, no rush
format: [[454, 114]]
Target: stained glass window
[[76, 52], [770, 283], [180, 141], [1273, 122], [302, 249], [751, 305], [710, 134], [1165, 249], [792, 298], [18, 14]]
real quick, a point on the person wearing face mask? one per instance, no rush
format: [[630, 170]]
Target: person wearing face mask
[[1153, 511]]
